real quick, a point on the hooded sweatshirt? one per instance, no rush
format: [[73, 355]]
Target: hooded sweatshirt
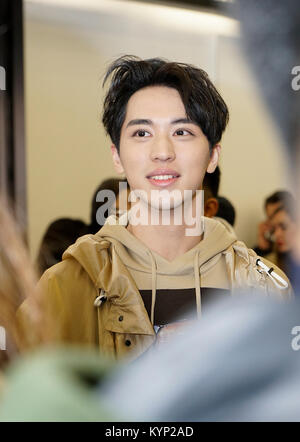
[[179, 286]]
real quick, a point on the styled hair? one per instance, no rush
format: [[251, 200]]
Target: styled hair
[[203, 103]]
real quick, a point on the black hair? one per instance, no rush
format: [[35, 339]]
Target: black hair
[[226, 210], [60, 234], [281, 196], [288, 205], [203, 103], [211, 182]]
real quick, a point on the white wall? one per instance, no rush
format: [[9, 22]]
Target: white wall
[[66, 53]]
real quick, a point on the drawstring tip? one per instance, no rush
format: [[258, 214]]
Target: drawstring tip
[[278, 280]]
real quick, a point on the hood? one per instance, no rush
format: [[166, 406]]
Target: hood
[[136, 255]]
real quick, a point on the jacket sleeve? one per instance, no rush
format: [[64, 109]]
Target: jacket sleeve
[[272, 285], [245, 273]]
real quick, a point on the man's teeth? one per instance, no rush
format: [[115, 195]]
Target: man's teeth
[[162, 177]]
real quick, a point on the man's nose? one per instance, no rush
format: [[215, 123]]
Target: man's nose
[[163, 149]]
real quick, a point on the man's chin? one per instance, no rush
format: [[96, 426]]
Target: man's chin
[[165, 206]]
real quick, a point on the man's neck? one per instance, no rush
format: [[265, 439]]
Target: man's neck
[[168, 241]]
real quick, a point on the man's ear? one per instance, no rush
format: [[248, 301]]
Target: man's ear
[[116, 159], [211, 207], [214, 158]]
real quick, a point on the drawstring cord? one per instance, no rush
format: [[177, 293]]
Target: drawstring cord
[[153, 284], [197, 283]]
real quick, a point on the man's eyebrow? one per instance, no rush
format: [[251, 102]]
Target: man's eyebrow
[[139, 121], [150, 122], [183, 121]]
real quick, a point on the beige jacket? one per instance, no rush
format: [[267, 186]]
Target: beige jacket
[[92, 297]]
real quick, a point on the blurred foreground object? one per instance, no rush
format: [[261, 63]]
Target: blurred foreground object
[[17, 281], [240, 363], [56, 385], [272, 40]]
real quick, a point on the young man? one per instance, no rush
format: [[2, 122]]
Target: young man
[[115, 289]]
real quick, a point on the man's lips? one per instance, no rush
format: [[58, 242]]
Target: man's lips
[[163, 177]]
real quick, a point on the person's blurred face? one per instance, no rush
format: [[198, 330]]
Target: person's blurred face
[[283, 231], [271, 209]]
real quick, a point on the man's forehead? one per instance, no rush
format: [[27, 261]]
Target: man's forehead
[[155, 105]]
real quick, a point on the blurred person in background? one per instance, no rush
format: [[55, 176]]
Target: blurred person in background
[[283, 231], [226, 211], [112, 206], [59, 235], [272, 203], [217, 206]]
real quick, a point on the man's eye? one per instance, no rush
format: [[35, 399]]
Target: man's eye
[[141, 133], [182, 132]]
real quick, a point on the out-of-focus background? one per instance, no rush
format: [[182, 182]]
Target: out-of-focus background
[[67, 46]]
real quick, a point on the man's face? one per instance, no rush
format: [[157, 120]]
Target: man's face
[[159, 147]]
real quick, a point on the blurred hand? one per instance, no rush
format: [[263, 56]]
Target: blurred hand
[[264, 232]]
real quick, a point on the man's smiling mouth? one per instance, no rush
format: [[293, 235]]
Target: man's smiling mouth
[[163, 177]]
